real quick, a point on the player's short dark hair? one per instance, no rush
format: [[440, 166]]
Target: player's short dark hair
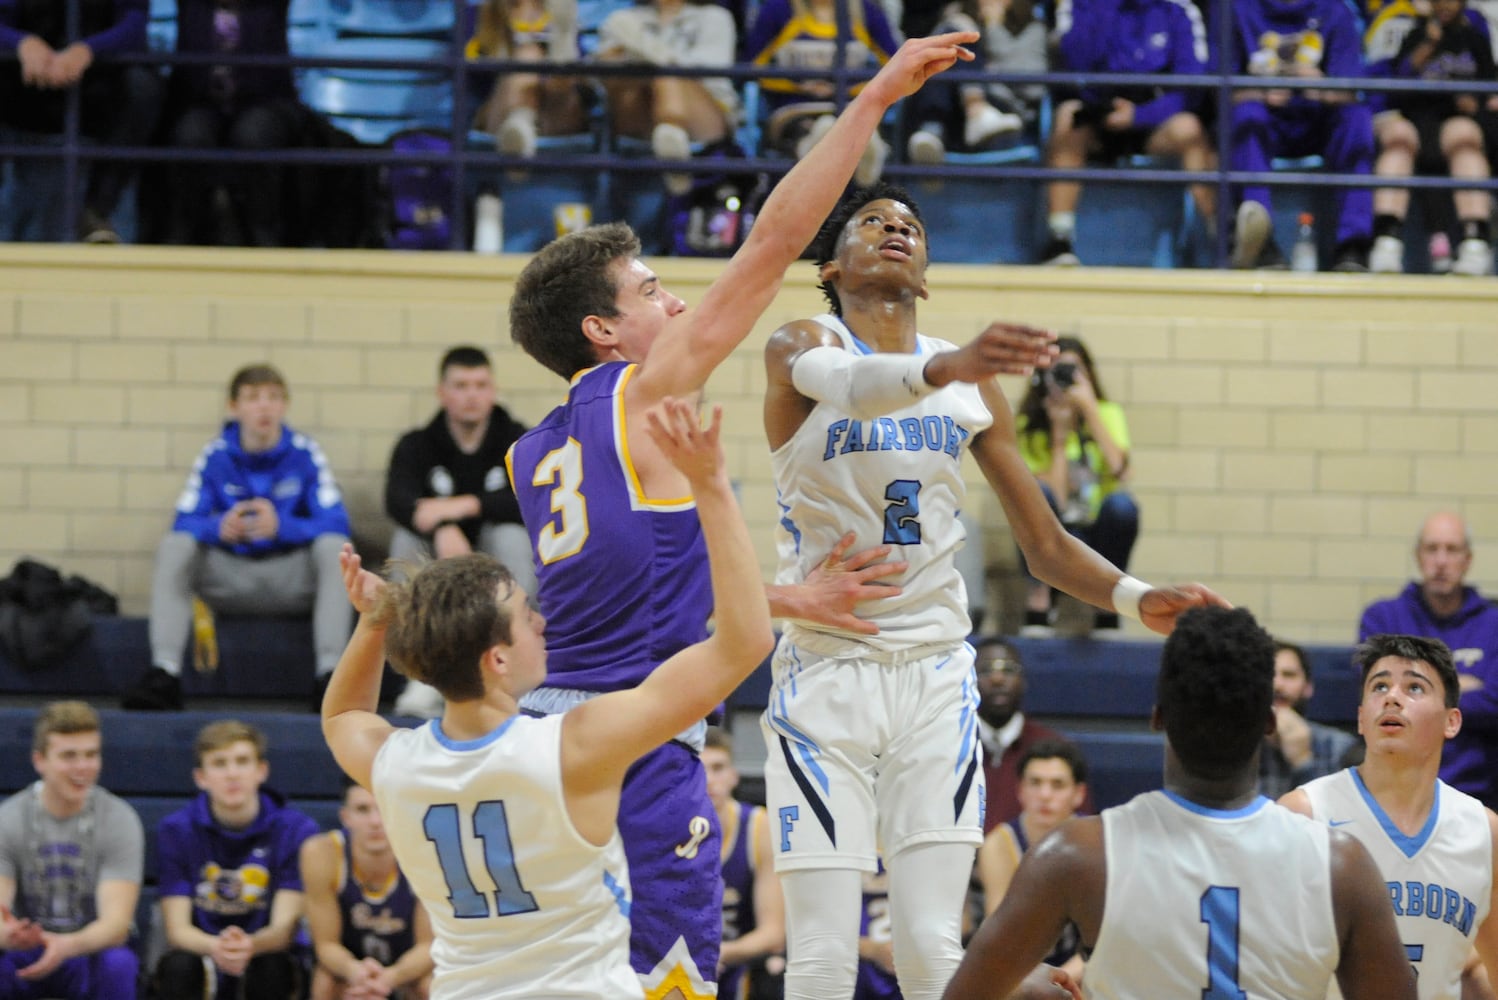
[[1063, 750], [442, 620], [824, 247], [1215, 689], [1281, 646], [257, 374], [1414, 648], [463, 356], [718, 740], [568, 280]]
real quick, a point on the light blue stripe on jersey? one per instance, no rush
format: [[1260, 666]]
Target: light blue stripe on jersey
[[1408, 845], [621, 898], [1258, 803], [806, 747], [477, 743], [968, 721]]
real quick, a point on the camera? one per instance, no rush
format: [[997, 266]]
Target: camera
[[1063, 375]]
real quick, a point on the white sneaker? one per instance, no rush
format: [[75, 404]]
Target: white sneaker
[[671, 142], [989, 122], [871, 164], [420, 700], [1387, 255], [1474, 258], [1251, 230], [819, 128], [517, 136], [925, 148]]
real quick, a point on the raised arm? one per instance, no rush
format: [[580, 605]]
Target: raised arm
[[601, 738], [1373, 965], [696, 342], [351, 724]]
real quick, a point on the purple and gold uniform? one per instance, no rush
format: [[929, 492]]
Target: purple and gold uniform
[[738, 890], [379, 924], [623, 583]]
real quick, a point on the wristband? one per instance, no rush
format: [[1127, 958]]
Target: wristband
[[864, 387], [1127, 593]]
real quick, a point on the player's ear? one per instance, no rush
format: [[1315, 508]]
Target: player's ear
[[596, 331], [1453, 722], [829, 273], [925, 292]]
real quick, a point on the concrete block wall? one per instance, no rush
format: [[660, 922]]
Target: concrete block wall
[[1290, 432]]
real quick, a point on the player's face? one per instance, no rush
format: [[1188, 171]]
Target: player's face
[[883, 240], [526, 653], [1443, 556], [260, 410], [644, 306], [722, 776], [466, 394], [1001, 685], [1404, 709], [232, 775], [68, 767], [361, 818], [1048, 793], [1290, 684]]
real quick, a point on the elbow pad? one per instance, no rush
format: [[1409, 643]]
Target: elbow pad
[[863, 386]]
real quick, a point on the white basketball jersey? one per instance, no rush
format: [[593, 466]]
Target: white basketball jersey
[[1439, 879], [893, 480], [1213, 904], [521, 905]]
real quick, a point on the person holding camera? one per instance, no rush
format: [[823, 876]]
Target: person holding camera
[[1076, 442], [1109, 122]]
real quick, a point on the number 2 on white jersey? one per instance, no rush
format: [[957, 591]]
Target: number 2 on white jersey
[[562, 470]]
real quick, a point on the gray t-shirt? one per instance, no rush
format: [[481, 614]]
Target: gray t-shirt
[[58, 864]]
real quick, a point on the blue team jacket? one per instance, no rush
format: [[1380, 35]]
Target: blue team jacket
[[1133, 36]]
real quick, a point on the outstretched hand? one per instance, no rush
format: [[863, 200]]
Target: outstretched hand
[[676, 428], [1159, 608], [1047, 982], [917, 61], [841, 582], [363, 586], [1001, 349]]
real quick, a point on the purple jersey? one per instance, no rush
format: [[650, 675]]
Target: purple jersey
[[231, 876], [623, 578], [738, 891], [377, 924]]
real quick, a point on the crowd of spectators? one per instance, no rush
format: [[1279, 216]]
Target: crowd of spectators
[[202, 105]]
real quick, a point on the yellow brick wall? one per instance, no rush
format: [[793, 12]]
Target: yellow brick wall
[[1290, 432]]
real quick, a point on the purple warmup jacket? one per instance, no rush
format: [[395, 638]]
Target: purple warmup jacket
[[1470, 761]]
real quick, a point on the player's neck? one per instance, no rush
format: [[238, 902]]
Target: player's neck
[[372, 869], [887, 325], [1232, 792], [469, 720], [467, 435], [1034, 829], [1404, 789]]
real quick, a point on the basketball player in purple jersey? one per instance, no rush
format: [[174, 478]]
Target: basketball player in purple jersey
[[620, 563]]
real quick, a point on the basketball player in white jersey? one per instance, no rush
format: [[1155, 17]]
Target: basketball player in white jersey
[[1205, 889], [1433, 844], [505, 824], [867, 422]]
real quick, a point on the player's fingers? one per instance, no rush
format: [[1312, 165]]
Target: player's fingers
[[879, 572], [863, 557], [834, 558], [714, 424]]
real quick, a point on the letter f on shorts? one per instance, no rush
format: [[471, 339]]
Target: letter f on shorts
[[788, 817]]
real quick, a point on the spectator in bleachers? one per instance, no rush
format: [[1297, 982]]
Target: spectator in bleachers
[[974, 116], [1124, 36], [753, 907], [448, 489], [231, 891], [1299, 39], [515, 107], [1076, 442], [119, 104], [803, 35], [1052, 787], [371, 935], [673, 112], [1299, 749], [1004, 730], [257, 531], [71, 858], [230, 107], [1440, 605], [1439, 133]]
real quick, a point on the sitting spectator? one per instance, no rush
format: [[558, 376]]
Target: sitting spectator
[[753, 952], [448, 490], [1441, 605], [673, 111], [1438, 133], [803, 35], [257, 531], [1076, 442], [1004, 730], [973, 115], [1299, 749], [518, 106], [1124, 36], [234, 107], [1304, 40], [371, 936], [71, 856], [1052, 787], [231, 891], [118, 104]]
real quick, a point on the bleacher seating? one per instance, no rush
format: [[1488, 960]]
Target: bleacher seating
[[374, 103]]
